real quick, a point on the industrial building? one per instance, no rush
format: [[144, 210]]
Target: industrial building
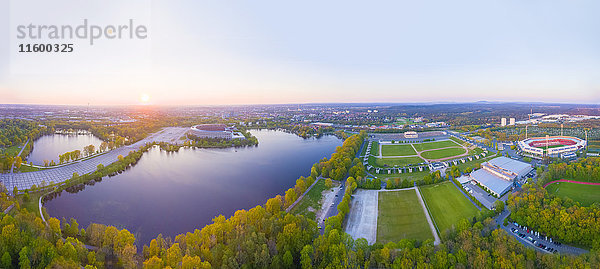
[[498, 175]]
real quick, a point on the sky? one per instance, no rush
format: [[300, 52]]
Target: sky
[[261, 52]]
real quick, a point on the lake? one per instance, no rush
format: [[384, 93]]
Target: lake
[[174, 193], [48, 147]]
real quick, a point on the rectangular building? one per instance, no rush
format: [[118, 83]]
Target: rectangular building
[[503, 122], [497, 175]]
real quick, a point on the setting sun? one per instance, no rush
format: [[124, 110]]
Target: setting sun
[[145, 98]]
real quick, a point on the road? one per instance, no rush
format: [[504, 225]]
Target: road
[[60, 174]]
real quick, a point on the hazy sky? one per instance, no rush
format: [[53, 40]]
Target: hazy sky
[[240, 52]]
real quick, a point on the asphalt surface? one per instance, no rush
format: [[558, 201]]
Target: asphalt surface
[[60, 174]]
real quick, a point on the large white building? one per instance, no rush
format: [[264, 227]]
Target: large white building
[[498, 175], [503, 122]]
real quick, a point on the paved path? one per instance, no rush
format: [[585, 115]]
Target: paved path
[[8, 208], [60, 174], [287, 210], [436, 237], [22, 148], [570, 181]]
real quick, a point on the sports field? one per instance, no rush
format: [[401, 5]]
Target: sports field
[[415, 175], [551, 146], [443, 153], [400, 216], [458, 141], [586, 195], [398, 150], [447, 205], [375, 148], [400, 162], [435, 145]]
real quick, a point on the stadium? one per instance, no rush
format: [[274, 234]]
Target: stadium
[[551, 146], [218, 131]]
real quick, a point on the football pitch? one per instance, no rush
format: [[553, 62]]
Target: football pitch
[[447, 205], [586, 195], [398, 150], [435, 145], [400, 215]]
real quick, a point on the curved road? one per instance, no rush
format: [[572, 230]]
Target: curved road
[[60, 174]]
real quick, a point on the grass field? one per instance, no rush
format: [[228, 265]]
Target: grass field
[[443, 153], [364, 150], [586, 195], [410, 176], [400, 162], [400, 216], [435, 145], [375, 148], [447, 205], [27, 168], [398, 150], [312, 199], [458, 141], [475, 151], [11, 151]]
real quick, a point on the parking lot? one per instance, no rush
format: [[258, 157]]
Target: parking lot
[[539, 241], [481, 195]]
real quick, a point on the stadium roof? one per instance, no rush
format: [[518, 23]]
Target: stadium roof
[[517, 167], [492, 182]]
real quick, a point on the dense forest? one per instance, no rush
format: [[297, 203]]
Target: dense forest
[[13, 135], [563, 219], [586, 169], [559, 218]]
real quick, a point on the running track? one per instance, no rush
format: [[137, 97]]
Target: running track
[[570, 181]]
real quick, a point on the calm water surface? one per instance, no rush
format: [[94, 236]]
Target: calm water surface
[[173, 193], [48, 147]]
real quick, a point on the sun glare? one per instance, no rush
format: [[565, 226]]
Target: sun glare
[[145, 98]]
